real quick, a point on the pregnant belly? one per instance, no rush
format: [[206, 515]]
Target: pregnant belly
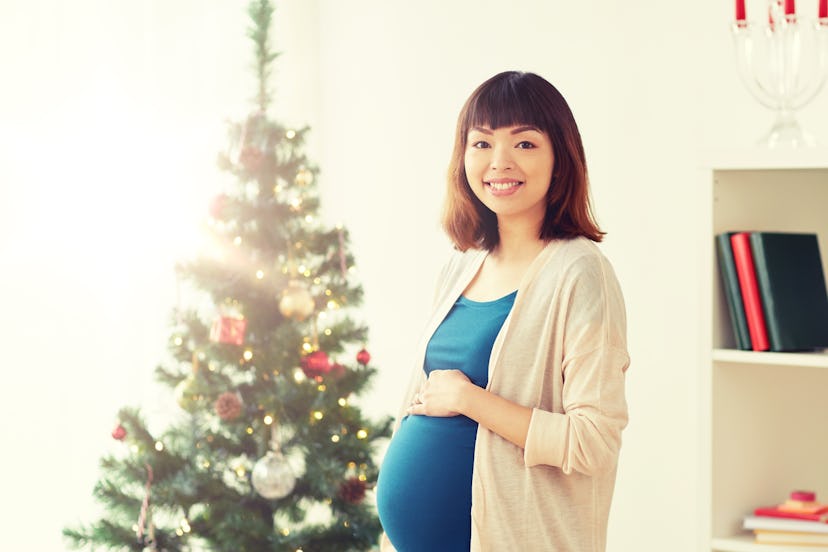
[[424, 485]]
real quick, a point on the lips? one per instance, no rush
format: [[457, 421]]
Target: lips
[[502, 187]]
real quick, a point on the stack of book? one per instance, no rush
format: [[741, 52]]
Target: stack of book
[[799, 521], [775, 290]]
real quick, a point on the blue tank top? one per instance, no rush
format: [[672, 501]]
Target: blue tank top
[[424, 485]]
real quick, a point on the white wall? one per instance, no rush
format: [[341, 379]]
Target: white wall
[[111, 118]]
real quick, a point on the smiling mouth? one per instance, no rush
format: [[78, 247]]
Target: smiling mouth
[[501, 186]]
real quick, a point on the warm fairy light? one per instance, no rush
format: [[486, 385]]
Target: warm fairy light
[[352, 269], [318, 415], [333, 304], [317, 280], [237, 240], [248, 354], [134, 449], [185, 525], [362, 477], [323, 315], [342, 401], [268, 419], [362, 434], [328, 292], [179, 532], [240, 471], [321, 387], [309, 219], [299, 375], [178, 340], [328, 331], [260, 274], [249, 430], [296, 203], [277, 189], [291, 134], [285, 531], [307, 273], [159, 446], [335, 438], [346, 523], [351, 465], [302, 268], [307, 347], [205, 464]]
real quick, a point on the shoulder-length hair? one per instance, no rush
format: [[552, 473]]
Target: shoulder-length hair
[[518, 98]]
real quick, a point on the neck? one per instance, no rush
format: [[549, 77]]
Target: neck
[[518, 240]]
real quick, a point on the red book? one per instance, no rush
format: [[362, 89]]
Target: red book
[[743, 258], [774, 511]]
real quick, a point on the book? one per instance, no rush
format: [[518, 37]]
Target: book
[[754, 314], [768, 523], [820, 514], [790, 537], [792, 287], [732, 291]]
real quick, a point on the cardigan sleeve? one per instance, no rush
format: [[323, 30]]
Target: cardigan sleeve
[[586, 436]]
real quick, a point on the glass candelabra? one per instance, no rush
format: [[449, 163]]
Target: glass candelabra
[[783, 62]]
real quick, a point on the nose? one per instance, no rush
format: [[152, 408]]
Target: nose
[[501, 158]]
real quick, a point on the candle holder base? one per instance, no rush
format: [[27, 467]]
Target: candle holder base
[[787, 133]]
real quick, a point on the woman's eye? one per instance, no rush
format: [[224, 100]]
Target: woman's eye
[[525, 145], [480, 144]]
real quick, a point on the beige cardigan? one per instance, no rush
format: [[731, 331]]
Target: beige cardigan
[[562, 351]]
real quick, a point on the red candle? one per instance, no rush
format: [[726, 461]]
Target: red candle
[[790, 7], [740, 10], [823, 8]]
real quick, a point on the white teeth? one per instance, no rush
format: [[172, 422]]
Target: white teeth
[[503, 185]]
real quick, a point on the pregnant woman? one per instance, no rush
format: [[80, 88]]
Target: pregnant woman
[[509, 433]]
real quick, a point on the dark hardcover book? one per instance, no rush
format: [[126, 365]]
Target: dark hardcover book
[[732, 291], [792, 284]]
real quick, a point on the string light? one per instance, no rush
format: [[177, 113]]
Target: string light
[[159, 446], [318, 415], [249, 430], [178, 340], [248, 354], [268, 419], [290, 134], [237, 240], [342, 401], [307, 347], [259, 274], [335, 438], [361, 434]]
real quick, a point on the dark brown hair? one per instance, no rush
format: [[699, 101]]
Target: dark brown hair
[[518, 98]]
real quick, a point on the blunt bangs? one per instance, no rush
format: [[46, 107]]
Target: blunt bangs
[[506, 100]]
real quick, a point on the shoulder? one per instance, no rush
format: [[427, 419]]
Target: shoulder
[[576, 258], [458, 262]]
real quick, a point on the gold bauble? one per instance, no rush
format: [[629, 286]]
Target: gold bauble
[[297, 302], [189, 393], [304, 177]]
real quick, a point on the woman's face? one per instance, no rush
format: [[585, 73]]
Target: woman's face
[[509, 169]]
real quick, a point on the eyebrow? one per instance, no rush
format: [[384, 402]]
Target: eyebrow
[[517, 130]]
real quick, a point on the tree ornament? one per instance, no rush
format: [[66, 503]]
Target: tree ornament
[[119, 433], [363, 357], [352, 490], [304, 177], [189, 393], [297, 302], [228, 406], [251, 158], [217, 205], [272, 476], [227, 329], [316, 364]]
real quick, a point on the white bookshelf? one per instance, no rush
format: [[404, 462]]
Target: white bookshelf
[[764, 416]]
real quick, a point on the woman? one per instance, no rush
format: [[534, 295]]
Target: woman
[[511, 428]]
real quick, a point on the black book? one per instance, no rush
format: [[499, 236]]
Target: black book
[[792, 284], [732, 291]]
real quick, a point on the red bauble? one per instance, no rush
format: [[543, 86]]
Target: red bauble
[[352, 490], [228, 406], [217, 206], [363, 357], [316, 364], [119, 433]]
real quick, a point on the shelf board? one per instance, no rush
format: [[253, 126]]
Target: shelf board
[[817, 359], [745, 543], [764, 159]]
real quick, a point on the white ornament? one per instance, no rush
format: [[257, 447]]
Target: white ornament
[[272, 476]]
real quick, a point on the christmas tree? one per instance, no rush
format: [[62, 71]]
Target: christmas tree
[[270, 450]]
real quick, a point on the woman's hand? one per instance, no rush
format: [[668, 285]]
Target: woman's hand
[[440, 394]]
